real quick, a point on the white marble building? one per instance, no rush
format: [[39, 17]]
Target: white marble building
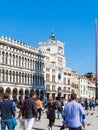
[[21, 68], [86, 87], [57, 75], [91, 89]]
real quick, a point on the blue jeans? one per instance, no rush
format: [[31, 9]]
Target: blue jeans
[[7, 123], [78, 128], [60, 111]]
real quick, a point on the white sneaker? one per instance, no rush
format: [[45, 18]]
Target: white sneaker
[[49, 128]]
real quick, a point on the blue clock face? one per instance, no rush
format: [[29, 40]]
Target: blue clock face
[[59, 76]]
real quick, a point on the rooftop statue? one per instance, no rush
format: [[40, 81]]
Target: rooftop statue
[[52, 36]]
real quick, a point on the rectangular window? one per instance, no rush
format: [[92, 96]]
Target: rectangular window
[[53, 78], [47, 69], [47, 87], [69, 74], [47, 77], [68, 81], [53, 71], [53, 88], [64, 80]]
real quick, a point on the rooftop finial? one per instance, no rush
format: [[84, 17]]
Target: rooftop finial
[[52, 36]]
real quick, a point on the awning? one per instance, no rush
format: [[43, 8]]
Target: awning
[[64, 91]]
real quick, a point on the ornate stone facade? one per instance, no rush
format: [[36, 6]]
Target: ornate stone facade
[[21, 68], [57, 75]]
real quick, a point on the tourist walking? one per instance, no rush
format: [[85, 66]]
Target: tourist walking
[[86, 104], [51, 112], [39, 108], [93, 103], [60, 108], [21, 116], [74, 114], [7, 112], [30, 111]]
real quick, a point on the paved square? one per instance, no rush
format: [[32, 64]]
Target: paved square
[[92, 122]]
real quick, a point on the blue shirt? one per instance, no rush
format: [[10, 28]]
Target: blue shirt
[[74, 114], [6, 109]]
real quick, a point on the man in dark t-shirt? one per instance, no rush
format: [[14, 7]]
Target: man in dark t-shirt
[[7, 112]]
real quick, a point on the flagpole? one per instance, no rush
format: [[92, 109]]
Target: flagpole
[[96, 60]]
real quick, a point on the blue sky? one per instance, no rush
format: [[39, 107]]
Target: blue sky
[[73, 22]]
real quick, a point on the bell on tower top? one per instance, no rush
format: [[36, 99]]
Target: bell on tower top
[[52, 36]]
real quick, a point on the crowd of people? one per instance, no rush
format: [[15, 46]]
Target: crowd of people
[[71, 111]]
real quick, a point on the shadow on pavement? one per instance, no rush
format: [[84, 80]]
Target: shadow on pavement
[[37, 128], [57, 125]]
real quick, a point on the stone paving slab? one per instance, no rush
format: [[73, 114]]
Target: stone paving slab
[[43, 124]]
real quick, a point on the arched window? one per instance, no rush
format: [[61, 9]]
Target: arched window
[[28, 78], [36, 66], [13, 60], [40, 80], [19, 61], [36, 79], [10, 78], [28, 64], [19, 77], [13, 76], [25, 62], [16, 77], [6, 58], [22, 62], [40, 66], [10, 59], [22, 78], [6, 75], [31, 79], [25, 78], [16, 60], [3, 75], [2, 57], [33, 64]]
